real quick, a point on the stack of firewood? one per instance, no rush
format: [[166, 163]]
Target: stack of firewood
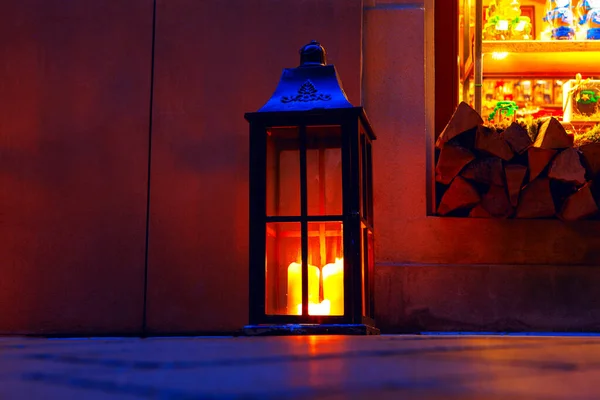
[[483, 172]]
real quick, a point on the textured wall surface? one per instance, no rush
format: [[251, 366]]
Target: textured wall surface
[[489, 298], [394, 96], [216, 60], [74, 84]]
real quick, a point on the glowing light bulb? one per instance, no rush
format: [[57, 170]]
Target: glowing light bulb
[[499, 55]]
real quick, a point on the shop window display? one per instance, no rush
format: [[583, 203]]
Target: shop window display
[[524, 141], [540, 54]]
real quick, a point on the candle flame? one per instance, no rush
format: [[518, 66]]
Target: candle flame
[[322, 308]]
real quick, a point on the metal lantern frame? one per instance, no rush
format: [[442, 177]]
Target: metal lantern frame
[[323, 105]]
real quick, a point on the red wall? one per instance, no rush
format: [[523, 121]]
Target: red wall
[[215, 60], [74, 90]]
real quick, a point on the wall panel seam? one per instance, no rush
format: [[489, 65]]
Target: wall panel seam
[[150, 117]]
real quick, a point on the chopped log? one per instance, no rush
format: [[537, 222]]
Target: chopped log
[[595, 188], [460, 194], [567, 167], [579, 205], [451, 161], [514, 179], [491, 142], [591, 155], [496, 202], [536, 200], [465, 139], [552, 135], [517, 138], [484, 170], [520, 159], [538, 160], [463, 119], [561, 191], [479, 212]]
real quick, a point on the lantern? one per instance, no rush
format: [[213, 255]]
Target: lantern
[[311, 207]]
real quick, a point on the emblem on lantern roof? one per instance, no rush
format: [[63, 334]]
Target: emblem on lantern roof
[[307, 92]]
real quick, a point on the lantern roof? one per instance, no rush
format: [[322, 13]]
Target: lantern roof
[[312, 85]]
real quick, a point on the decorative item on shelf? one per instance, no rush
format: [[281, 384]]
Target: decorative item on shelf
[[559, 16], [557, 91], [593, 21], [524, 90], [311, 207], [581, 98], [521, 28], [542, 92], [505, 22], [588, 18], [504, 112], [587, 102]]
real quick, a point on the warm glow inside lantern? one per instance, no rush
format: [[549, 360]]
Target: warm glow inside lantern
[[311, 212]]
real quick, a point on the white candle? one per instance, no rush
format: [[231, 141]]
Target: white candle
[[294, 293], [333, 285]]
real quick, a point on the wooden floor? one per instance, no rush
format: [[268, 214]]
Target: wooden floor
[[315, 367]]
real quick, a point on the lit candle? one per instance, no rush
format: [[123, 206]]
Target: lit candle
[[322, 308], [333, 285], [294, 293]]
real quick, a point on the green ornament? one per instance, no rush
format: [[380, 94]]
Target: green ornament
[[587, 97], [508, 108]]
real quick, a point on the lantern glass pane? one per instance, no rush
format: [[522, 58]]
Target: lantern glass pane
[[283, 273], [366, 179], [283, 171], [363, 176], [367, 270], [363, 268], [369, 182], [324, 170], [325, 252]]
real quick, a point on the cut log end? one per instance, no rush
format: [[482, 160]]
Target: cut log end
[[517, 138], [515, 174], [485, 170], [463, 119], [496, 202], [479, 212], [552, 135], [591, 155], [460, 194], [579, 205], [491, 142], [536, 200], [451, 161], [538, 160], [566, 167]]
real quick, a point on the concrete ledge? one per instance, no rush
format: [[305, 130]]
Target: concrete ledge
[[484, 298]]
